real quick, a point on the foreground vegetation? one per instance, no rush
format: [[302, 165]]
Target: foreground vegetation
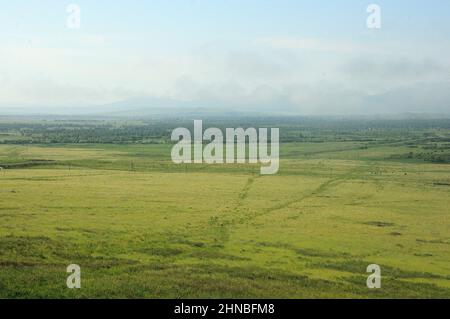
[[348, 194]]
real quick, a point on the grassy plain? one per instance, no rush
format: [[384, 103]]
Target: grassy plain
[[140, 226]]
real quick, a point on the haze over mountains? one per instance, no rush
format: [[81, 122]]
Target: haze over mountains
[[280, 58], [421, 103]]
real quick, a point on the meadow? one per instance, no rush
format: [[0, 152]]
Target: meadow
[[140, 226]]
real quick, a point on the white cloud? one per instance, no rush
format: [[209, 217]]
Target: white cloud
[[309, 75]]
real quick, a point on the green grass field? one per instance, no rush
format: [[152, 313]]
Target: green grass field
[[140, 226]]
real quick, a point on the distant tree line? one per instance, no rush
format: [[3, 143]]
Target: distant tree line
[[292, 129]]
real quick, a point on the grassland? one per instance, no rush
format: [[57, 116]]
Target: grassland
[[140, 226]]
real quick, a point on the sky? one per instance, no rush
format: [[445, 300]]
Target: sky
[[307, 57]]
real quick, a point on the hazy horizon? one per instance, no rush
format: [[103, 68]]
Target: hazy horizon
[[280, 57]]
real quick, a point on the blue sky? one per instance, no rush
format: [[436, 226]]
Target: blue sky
[[312, 57]]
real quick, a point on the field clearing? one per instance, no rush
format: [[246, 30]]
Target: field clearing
[[140, 226]]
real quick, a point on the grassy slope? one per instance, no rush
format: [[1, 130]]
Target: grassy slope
[[141, 227]]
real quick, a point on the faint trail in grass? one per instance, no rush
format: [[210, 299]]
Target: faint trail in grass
[[244, 193], [310, 194], [320, 189], [221, 225]]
